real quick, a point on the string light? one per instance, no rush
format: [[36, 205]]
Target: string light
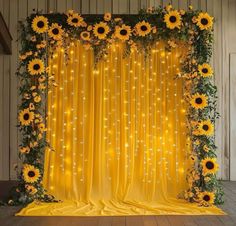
[[139, 107]]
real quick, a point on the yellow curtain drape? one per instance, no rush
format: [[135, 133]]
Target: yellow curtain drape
[[119, 135]]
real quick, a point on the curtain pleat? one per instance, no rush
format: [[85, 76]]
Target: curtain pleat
[[118, 134]]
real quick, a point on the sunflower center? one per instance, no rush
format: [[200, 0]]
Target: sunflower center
[[123, 32], [55, 31], [31, 173], [205, 127], [101, 30], [206, 198], [75, 20], [26, 116], [40, 24], [204, 70], [210, 165], [143, 27], [173, 19], [36, 67], [204, 21], [198, 100], [85, 35]]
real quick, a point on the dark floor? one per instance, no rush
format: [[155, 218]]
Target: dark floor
[[7, 217]]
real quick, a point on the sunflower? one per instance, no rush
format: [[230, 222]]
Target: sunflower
[[42, 78], [199, 101], [143, 28], [41, 86], [209, 166], [40, 24], [207, 198], [205, 148], [85, 35], [204, 21], [36, 66], [31, 107], [24, 150], [55, 31], [173, 19], [41, 127], [26, 117], [205, 70], [206, 128], [101, 30], [107, 17], [75, 20], [123, 32], [37, 99], [30, 173], [31, 189]]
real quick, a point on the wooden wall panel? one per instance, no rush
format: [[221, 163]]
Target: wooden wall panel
[[166, 2], [226, 26], [51, 5], [69, 4], [4, 101], [123, 6], [217, 63], [1, 104], [223, 11], [183, 4], [203, 5], [134, 7], [14, 11], [115, 6], [85, 7], [42, 6], [231, 47], [232, 115], [61, 6], [107, 6], [93, 6], [32, 6]]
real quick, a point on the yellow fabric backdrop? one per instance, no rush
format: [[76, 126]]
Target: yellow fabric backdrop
[[119, 136]]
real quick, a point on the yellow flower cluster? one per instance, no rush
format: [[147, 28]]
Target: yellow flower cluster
[[104, 32]]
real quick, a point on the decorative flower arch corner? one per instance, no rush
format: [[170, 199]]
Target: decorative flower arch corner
[[42, 34]]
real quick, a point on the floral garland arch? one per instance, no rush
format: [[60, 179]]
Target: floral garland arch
[[41, 34]]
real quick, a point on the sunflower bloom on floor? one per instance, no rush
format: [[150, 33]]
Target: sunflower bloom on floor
[[206, 198], [30, 173], [31, 189]]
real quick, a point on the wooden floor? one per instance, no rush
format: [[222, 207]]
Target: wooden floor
[[7, 217]]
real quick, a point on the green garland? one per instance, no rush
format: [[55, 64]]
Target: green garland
[[42, 34]]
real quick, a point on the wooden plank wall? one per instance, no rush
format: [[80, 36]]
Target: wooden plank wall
[[4, 101], [223, 11]]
